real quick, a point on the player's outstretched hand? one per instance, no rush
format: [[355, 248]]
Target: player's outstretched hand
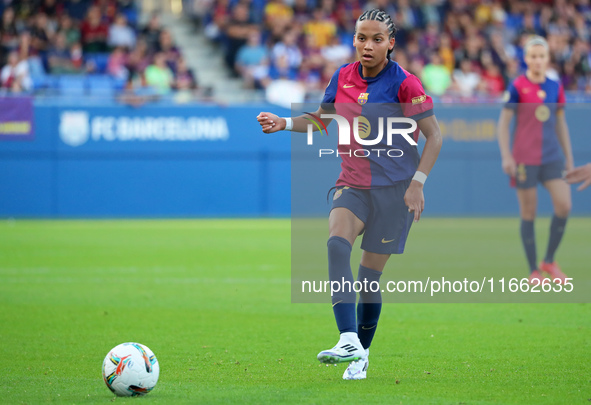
[[414, 199], [270, 122], [580, 174], [509, 166]]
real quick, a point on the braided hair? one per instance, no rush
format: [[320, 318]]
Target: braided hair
[[378, 15]]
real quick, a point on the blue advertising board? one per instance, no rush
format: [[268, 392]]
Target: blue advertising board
[[115, 161]]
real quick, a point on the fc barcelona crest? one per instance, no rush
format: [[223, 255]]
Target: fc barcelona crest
[[362, 99]]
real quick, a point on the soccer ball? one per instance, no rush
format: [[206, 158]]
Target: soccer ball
[[130, 370]]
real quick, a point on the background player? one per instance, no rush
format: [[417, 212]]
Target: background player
[[540, 132], [376, 195]]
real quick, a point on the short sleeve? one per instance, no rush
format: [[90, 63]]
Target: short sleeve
[[330, 94], [561, 96], [511, 97], [415, 103]]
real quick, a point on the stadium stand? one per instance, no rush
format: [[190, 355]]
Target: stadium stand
[[462, 50], [76, 48]]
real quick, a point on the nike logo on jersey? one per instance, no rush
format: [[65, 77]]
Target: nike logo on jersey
[[387, 241], [348, 86]]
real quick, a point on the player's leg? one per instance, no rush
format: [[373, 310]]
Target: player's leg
[[344, 226], [528, 202], [561, 200], [346, 222], [370, 296], [368, 309], [387, 229]]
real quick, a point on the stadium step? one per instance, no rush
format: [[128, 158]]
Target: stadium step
[[206, 60]]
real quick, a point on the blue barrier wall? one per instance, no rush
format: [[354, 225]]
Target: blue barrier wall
[[186, 161]]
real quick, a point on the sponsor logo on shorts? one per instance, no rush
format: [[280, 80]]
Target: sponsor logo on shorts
[[387, 241]]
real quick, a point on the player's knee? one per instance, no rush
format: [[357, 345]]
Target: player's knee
[[562, 209], [338, 245]]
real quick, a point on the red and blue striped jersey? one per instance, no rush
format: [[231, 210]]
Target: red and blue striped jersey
[[394, 92], [535, 141]]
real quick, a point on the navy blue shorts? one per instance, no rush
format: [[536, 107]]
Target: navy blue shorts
[[529, 176], [384, 213]]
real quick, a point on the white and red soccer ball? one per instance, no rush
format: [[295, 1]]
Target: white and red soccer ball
[[131, 369]]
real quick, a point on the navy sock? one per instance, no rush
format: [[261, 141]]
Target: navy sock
[[339, 270], [529, 243], [556, 231], [370, 304]]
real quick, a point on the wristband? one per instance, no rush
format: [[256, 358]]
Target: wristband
[[288, 123], [420, 177]]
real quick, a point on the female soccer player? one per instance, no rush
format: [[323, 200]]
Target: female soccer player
[[377, 194], [540, 132]]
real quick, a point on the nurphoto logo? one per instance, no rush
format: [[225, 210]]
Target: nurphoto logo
[[387, 128]]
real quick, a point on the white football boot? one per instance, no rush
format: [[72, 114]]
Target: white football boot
[[357, 370], [348, 349]]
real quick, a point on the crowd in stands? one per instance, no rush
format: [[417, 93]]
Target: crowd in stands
[[48, 42], [459, 48]]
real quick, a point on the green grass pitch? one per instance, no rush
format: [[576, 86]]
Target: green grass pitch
[[211, 298]]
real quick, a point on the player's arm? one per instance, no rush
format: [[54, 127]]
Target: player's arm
[[504, 137], [564, 138], [273, 123], [414, 197]]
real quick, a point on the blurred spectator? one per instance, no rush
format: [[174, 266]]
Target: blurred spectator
[[61, 59], [321, 28], [42, 33], [492, 80], [8, 31], [120, 34], [312, 60], [167, 47], [446, 53], [116, 66], [465, 80], [237, 31], [151, 32], [288, 50], [337, 52], [77, 9], [436, 78], [25, 46], [184, 79], [278, 14], [108, 9], [251, 58], [51, 8], [94, 32], [67, 27], [159, 76], [15, 74], [138, 59]]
